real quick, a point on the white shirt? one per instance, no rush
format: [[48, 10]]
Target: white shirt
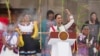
[[26, 28], [13, 40], [63, 27]]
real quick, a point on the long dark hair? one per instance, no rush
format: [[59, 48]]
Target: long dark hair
[[49, 12], [57, 15], [96, 21]]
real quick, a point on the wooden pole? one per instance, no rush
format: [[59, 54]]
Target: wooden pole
[[8, 10]]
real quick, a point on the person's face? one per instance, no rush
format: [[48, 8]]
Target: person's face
[[50, 16], [26, 18], [86, 30], [93, 17], [59, 19], [11, 29]]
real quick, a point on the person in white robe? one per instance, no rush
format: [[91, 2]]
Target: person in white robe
[[62, 48], [10, 41]]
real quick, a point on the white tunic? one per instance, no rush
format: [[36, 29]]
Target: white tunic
[[8, 52], [62, 48]]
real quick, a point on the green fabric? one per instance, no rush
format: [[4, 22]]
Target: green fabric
[[58, 29], [43, 29]]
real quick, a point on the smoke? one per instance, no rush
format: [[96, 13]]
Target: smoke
[[29, 11], [35, 15]]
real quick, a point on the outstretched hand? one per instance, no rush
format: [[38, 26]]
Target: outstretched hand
[[67, 11]]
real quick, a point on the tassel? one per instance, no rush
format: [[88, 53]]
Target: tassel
[[35, 34], [21, 42]]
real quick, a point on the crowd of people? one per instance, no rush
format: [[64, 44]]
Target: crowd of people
[[21, 43]]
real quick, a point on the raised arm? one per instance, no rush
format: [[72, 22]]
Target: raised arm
[[67, 11], [71, 21]]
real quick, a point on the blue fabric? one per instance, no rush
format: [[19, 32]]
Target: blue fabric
[[4, 34], [45, 28]]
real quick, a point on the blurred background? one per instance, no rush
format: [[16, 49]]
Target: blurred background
[[79, 8]]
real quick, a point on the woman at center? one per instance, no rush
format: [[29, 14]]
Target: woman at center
[[59, 28]]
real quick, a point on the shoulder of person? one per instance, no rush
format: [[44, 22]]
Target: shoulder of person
[[80, 34], [19, 24], [73, 25], [98, 23], [54, 21], [44, 20], [5, 33], [34, 22], [52, 28]]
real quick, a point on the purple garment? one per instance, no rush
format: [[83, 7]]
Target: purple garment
[[48, 47], [82, 50], [49, 24]]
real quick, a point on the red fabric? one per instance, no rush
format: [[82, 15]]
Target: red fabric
[[53, 29], [74, 47], [1, 40], [4, 20], [73, 29]]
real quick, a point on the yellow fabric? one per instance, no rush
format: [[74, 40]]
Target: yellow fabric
[[35, 34], [21, 42]]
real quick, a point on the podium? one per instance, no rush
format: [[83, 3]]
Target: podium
[[61, 43]]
